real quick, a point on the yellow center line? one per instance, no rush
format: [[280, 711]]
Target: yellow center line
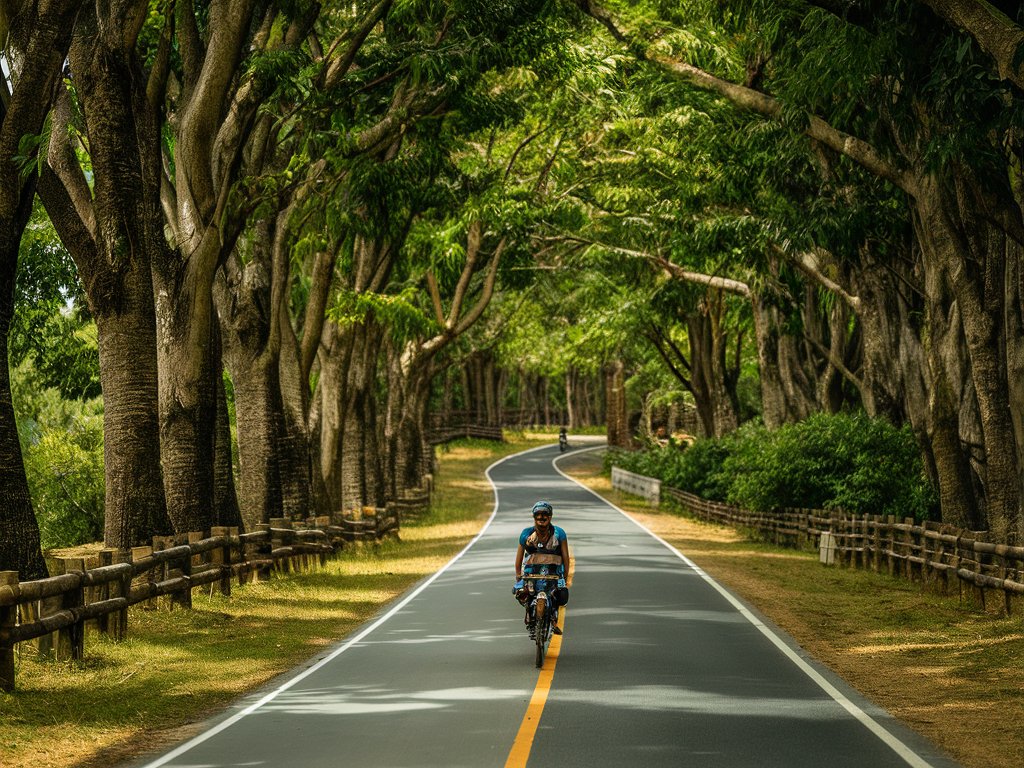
[[528, 728]]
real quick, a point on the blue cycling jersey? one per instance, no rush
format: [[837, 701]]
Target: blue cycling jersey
[[543, 555]]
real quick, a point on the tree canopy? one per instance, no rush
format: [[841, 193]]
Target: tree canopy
[[284, 239]]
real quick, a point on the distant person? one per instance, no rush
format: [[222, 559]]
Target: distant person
[[563, 439], [543, 549]]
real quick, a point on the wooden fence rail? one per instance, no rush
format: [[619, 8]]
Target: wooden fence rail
[[100, 589], [445, 433], [931, 553]]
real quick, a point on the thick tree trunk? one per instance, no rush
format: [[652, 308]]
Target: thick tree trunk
[[1014, 322], [225, 499], [351, 459], [408, 456], [128, 228], [188, 407], [250, 348], [135, 507], [787, 394], [617, 408], [713, 384], [19, 532], [972, 258], [36, 40], [301, 485]]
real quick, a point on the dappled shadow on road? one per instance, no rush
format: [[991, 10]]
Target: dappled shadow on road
[[669, 698], [370, 700]]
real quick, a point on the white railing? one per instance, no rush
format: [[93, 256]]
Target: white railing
[[638, 485]]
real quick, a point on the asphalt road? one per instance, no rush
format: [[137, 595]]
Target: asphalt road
[[658, 666]]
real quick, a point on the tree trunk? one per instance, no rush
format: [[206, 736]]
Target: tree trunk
[[36, 41], [787, 393], [351, 459], [617, 409], [115, 269], [249, 328], [713, 384], [301, 485], [409, 456], [225, 499], [972, 257], [19, 533], [188, 408]]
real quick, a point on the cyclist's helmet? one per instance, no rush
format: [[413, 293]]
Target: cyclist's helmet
[[542, 507]]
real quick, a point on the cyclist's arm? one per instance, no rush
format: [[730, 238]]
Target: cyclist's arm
[[520, 552], [565, 557]]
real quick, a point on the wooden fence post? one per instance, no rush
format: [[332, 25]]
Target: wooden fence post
[[141, 553], [868, 555], [8, 618], [71, 639], [911, 537], [221, 558], [183, 597], [940, 557], [890, 524], [278, 540], [122, 588], [267, 547], [106, 557], [930, 553], [876, 543]]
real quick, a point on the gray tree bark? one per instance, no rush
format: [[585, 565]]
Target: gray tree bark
[[38, 36]]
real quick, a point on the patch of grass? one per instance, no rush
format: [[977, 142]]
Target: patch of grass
[[941, 664], [176, 668]]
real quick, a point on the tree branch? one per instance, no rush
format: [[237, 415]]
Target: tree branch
[[755, 101], [61, 158], [339, 66], [473, 238], [485, 296], [435, 298], [997, 34], [809, 262]]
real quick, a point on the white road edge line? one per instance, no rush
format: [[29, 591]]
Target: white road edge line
[[897, 746], [225, 724]]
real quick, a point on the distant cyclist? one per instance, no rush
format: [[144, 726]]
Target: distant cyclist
[[543, 548]]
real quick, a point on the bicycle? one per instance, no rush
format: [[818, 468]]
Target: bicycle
[[542, 612]]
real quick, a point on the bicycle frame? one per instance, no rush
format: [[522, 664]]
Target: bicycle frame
[[542, 610]]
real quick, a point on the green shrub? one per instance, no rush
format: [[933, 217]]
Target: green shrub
[[844, 461], [65, 476]]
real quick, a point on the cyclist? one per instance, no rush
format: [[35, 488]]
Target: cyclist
[[540, 545]]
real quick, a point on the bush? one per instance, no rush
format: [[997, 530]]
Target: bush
[[65, 476], [844, 461], [696, 469]]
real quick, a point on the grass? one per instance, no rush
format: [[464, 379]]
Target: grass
[[176, 668], [941, 664]]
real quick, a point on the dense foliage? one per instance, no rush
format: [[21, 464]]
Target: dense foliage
[[843, 461]]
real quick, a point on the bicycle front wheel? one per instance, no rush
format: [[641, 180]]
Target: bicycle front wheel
[[542, 630]]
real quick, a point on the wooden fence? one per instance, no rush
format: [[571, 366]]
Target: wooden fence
[[931, 553], [444, 433], [54, 611]]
